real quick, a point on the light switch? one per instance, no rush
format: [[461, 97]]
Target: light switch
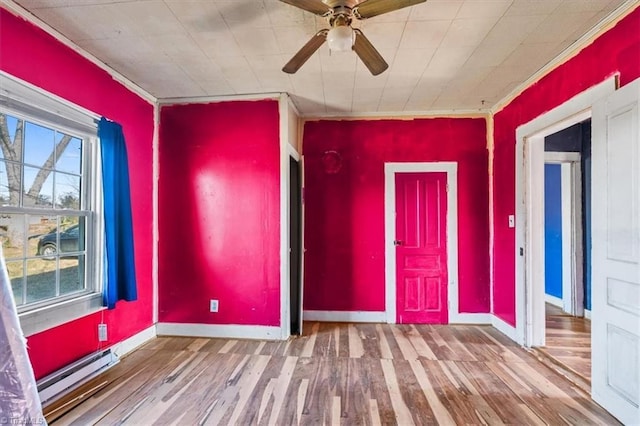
[[512, 221]]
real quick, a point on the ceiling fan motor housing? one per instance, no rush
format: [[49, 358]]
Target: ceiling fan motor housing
[[341, 36], [335, 4]]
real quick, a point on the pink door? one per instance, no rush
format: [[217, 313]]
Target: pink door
[[421, 248]]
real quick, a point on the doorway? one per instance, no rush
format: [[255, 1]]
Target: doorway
[[529, 248], [567, 183], [295, 247], [567, 218]]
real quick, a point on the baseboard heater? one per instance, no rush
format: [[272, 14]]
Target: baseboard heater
[[59, 383]]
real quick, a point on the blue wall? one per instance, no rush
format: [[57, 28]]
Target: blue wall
[[577, 138], [553, 230]]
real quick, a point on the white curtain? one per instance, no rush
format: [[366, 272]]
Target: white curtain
[[19, 401]]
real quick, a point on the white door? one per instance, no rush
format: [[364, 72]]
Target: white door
[[616, 254]]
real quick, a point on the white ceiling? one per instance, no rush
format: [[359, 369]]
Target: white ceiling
[[443, 54]]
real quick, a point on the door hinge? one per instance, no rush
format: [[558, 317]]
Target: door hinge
[[447, 188]]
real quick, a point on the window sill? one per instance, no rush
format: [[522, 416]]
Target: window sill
[[47, 317]]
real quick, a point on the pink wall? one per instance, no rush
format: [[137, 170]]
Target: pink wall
[[220, 213], [344, 211], [32, 55], [617, 51]]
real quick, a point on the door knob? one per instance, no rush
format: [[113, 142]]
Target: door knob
[[397, 242]]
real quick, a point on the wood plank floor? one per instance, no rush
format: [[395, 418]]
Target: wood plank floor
[[350, 374], [568, 341]]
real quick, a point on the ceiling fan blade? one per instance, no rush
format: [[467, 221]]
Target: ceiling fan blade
[[371, 8], [305, 53], [368, 54], [313, 6]]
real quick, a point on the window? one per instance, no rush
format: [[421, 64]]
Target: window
[[49, 206]]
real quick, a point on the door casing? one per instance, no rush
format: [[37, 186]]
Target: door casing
[[530, 315], [289, 137], [390, 170]]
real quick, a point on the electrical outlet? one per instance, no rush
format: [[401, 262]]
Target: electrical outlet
[[102, 332], [213, 305]]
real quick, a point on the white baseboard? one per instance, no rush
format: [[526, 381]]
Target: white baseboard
[[587, 314], [345, 316], [122, 348], [506, 329], [465, 318], [381, 317], [555, 301], [223, 331]]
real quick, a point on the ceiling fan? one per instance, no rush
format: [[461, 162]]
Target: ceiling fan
[[341, 36]]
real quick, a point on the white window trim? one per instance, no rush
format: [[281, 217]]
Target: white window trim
[[27, 99]]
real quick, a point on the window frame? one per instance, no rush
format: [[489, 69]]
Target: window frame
[[30, 103]]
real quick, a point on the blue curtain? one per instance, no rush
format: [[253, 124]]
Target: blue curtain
[[120, 271]]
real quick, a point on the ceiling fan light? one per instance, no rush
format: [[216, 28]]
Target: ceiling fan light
[[340, 39]]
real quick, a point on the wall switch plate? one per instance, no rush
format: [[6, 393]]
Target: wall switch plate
[[102, 332], [512, 221], [213, 305]]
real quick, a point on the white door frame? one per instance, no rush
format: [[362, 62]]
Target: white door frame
[[390, 171], [572, 244], [530, 323], [288, 133]]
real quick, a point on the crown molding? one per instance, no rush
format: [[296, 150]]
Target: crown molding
[[603, 26], [399, 115], [221, 98], [21, 12]]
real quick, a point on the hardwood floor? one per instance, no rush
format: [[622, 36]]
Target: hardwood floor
[[568, 341], [365, 374]]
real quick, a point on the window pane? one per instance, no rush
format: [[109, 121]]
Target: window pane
[[12, 235], [41, 231], [38, 187], [16, 276], [72, 235], [38, 144], [71, 275], [67, 191], [14, 127], [41, 279], [10, 177], [69, 160], [47, 218]]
